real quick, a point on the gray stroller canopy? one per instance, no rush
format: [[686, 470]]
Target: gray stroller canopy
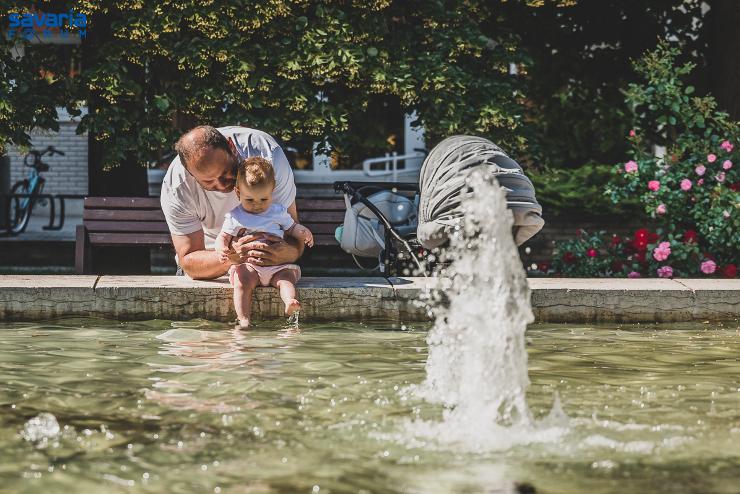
[[443, 177]]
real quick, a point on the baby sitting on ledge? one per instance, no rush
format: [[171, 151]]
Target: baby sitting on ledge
[[256, 213]]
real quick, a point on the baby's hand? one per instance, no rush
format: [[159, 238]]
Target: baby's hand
[[305, 235]]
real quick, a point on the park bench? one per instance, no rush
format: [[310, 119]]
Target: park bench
[[139, 221]]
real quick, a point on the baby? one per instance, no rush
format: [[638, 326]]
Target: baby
[[255, 182]]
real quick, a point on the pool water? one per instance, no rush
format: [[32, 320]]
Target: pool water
[[172, 407]]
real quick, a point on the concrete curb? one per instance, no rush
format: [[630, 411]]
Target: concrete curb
[[331, 299]]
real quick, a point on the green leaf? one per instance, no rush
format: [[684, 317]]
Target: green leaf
[[161, 102]]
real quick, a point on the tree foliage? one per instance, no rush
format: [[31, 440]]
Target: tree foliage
[[297, 69]]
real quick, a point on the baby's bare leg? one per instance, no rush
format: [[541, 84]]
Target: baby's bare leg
[[246, 280], [285, 281]]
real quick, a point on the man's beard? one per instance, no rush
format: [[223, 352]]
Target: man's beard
[[225, 191]]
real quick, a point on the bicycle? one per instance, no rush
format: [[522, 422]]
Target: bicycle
[[26, 192]]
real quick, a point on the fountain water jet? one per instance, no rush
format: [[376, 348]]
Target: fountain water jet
[[477, 364]]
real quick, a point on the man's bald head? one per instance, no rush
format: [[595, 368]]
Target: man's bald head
[[200, 141], [209, 157]]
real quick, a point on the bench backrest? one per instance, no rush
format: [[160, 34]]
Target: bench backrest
[[125, 221], [140, 221], [322, 217]]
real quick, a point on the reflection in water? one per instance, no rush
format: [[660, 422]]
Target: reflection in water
[[652, 409]]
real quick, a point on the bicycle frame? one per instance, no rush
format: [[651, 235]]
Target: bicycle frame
[[34, 178]]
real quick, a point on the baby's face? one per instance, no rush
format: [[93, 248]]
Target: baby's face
[[254, 199]]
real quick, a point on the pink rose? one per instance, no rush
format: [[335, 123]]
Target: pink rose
[[665, 272], [726, 213], [660, 209], [685, 184], [632, 133], [653, 185], [720, 177], [711, 158], [700, 170], [630, 166], [662, 251], [727, 165], [633, 274], [708, 267], [727, 146], [700, 181]]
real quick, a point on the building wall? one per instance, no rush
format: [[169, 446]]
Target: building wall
[[67, 174]]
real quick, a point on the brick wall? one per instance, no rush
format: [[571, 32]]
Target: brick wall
[[67, 174]]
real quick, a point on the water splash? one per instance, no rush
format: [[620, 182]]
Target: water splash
[[41, 428], [477, 364]]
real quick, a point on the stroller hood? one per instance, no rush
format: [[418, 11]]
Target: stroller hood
[[443, 177]]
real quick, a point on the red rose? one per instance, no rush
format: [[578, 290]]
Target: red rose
[[689, 236], [544, 267], [641, 239], [569, 258], [640, 244], [729, 271], [617, 266], [652, 237], [591, 252], [640, 256], [735, 187], [615, 240]]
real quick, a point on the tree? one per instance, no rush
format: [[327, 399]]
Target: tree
[[295, 69]]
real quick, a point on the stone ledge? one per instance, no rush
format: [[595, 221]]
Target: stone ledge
[[574, 300]]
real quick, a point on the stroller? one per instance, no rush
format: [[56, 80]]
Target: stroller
[[388, 220], [380, 222]]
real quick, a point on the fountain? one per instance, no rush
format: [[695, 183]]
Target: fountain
[[477, 365]]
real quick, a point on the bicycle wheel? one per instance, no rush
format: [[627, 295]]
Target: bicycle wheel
[[20, 208]]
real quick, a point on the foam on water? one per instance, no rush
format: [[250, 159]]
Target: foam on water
[[41, 428], [477, 365]]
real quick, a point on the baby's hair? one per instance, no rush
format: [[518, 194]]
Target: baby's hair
[[255, 171]]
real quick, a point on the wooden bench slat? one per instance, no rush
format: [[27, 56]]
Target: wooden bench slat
[[320, 204], [127, 226], [123, 215], [325, 240], [122, 203], [321, 216], [318, 228], [129, 239]]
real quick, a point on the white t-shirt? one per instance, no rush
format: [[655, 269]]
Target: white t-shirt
[[275, 220], [188, 207]]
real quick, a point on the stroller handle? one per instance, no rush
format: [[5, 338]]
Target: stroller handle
[[351, 187]]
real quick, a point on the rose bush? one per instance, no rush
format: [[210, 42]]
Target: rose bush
[[644, 254], [693, 184], [683, 168]]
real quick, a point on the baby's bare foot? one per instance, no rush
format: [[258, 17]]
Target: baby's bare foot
[[292, 307], [242, 323]]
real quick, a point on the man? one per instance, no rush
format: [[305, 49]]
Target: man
[[198, 190]]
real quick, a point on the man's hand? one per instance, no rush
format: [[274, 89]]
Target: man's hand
[[265, 249]]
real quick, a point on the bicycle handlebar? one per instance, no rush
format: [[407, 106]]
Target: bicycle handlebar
[[36, 157]]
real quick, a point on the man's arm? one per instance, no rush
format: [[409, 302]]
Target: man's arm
[[195, 260]]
